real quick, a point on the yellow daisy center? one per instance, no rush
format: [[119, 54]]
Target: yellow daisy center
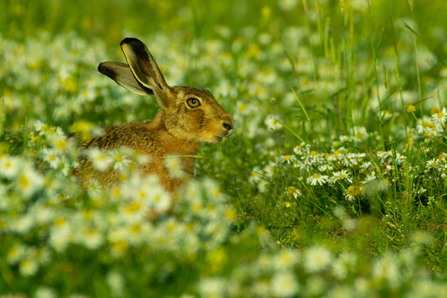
[[352, 190], [411, 108]]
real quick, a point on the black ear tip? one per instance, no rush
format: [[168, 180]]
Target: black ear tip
[[102, 68], [130, 40]]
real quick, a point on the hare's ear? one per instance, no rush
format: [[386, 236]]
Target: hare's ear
[[123, 76], [146, 70]]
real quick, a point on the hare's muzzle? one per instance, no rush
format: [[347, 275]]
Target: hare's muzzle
[[227, 124], [227, 128]]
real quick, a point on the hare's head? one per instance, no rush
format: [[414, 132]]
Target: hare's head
[[187, 112]]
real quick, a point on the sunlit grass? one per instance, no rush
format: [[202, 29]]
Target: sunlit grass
[[333, 183]]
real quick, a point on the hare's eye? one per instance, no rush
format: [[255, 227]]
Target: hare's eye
[[193, 102]]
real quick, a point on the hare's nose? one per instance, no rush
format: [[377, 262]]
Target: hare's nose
[[227, 126]]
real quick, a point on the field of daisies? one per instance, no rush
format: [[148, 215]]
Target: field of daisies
[[332, 185]]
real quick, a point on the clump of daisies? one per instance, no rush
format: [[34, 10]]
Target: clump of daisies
[[351, 175]]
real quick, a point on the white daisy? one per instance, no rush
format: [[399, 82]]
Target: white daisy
[[342, 175], [317, 178], [350, 193], [100, 159], [289, 159], [300, 149], [134, 211], [28, 181], [386, 268], [293, 191], [116, 283], [90, 237], [284, 284], [262, 186], [386, 115], [174, 166], [242, 108], [360, 133], [16, 253], [41, 127], [270, 169], [286, 259], [29, 266], [272, 123], [422, 190], [425, 124], [50, 156], [287, 5], [212, 287], [371, 177], [9, 166], [317, 258], [440, 117], [345, 139], [60, 144], [433, 163], [121, 160], [344, 262], [160, 199], [255, 177]]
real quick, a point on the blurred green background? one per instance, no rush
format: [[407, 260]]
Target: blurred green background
[[194, 18], [242, 61]]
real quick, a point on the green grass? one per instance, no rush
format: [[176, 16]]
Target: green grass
[[316, 89]]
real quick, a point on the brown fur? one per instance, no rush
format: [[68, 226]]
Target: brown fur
[[177, 128]]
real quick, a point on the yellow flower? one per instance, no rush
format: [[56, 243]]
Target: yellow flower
[[230, 214], [411, 108], [60, 143], [118, 158], [261, 230], [70, 84], [266, 12], [216, 259], [119, 247], [434, 110], [352, 190]]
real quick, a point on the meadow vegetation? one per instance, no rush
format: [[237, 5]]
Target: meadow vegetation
[[332, 185]]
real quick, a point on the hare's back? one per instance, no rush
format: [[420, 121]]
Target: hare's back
[[134, 135]]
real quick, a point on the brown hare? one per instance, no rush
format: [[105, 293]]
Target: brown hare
[[187, 117]]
